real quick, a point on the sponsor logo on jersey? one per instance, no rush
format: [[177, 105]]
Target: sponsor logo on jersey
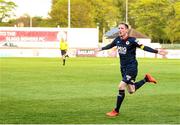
[[122, 50]]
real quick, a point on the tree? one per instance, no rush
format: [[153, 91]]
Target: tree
[[41, 22], [105, 14], [85, 13], [121, 5], [6, 8], [173, 26], [59, 11], [82, 14], [150, 17]]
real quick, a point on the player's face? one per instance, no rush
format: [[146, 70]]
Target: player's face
[[122, 30]]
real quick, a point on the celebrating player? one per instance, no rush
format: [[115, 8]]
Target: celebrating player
[[127, 53]]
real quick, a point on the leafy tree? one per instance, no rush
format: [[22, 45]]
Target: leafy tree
[[6, 8], [105, 15], [85, 13], [24, 21], [41, 22], [159, 19], [150, 17], [82, 14], [173, 26], [59, 11], [121, 6]]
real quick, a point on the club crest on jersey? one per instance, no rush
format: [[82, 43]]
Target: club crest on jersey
[[127, 42]]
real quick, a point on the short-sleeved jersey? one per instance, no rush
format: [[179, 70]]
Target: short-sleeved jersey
[[63, 45], [126, 49]]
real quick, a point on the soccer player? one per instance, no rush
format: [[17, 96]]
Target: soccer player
[[63, 48], [128, 64]]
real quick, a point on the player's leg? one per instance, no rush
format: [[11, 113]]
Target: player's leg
[[121, 87], [131, 73], [131, 88], [63, 56], [64, 60], [130, 77], [120, 96], [66, 55], [147, 78], [139, 84]]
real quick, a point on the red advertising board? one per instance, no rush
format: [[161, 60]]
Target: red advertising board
[[29, 36]]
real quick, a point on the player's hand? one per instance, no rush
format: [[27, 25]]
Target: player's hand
[[162, 52], [98, 50]]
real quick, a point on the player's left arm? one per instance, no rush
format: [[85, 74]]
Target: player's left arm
[[149, 49]]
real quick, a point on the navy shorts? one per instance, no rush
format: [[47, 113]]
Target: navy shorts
[[129, 73], [63, 52]]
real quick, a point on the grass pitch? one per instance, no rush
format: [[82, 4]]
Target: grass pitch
[[41, 90]]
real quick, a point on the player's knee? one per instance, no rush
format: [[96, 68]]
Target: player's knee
[[131, 91], [131, 88], [122, 85]]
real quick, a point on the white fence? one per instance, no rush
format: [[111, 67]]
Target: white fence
[[45, 42]]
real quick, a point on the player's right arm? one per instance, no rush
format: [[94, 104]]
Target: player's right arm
[[109, 46]]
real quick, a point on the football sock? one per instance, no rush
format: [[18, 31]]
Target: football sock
[[120, 99], [139, 84], [64, 61]]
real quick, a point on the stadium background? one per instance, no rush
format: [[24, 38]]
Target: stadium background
[[44, 42], [41, 91]]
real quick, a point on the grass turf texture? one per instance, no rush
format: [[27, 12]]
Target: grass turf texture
[[41, 90]]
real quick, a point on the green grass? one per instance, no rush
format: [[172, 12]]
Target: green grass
[[41, 90]]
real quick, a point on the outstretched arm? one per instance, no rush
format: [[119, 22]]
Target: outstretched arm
[[149, 49], [162, 52], [109, 46]]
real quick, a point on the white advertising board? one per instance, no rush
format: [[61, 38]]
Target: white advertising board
[[16, 40]]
